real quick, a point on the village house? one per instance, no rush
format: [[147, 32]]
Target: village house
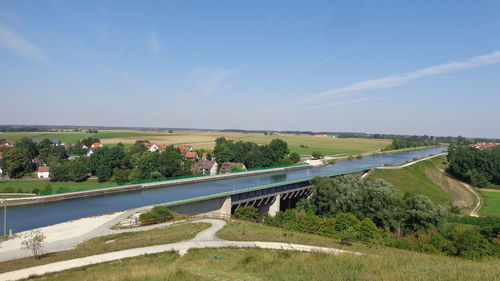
[[43, 172], [56, 143], [184, 148], [227, 167], [8, 144], [152, 147], [2, 155], [96, 145], [484, 145], [205, 167], [191, 155]]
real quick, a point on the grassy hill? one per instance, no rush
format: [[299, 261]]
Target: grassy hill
[[420, 178], [491, 205], [380, 263]]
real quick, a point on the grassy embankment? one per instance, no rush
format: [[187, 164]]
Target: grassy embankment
[[491, 206], [30, 185], [428, 178], [111, 243], [257, 264]]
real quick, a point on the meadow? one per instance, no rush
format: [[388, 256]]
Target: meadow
[[72, 137], [29, 185], [491, 205], [306, 144], [302, 144], [111, 243], [380, 263], [426, 178]]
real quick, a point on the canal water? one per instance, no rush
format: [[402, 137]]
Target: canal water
[[20, 218]]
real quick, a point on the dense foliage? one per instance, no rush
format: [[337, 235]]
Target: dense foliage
[[478, 167], [156, 215], [412, 141], [374, 199], [247, 212], [252, 154]]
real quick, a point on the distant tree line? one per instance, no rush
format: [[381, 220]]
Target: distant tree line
[[254, 155], [410, 142], [478, 167]]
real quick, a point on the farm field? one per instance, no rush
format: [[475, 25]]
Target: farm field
[[259, 264], [302, 144], [427, 178], [324, 145], [73, 137], [197, 139], [492, 205]]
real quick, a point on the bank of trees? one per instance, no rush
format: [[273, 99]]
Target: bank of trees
[[478, 167], [254, 155], [353, 209], [412, 141]]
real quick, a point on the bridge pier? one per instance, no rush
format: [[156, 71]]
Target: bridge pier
[[212, 207], [271, 207]]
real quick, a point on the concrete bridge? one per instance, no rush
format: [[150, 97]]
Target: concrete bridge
[[269, 198]]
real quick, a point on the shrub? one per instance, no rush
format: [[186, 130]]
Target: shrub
[[156, 215], [247, 213]]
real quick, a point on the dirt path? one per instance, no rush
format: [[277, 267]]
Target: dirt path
[[410, 163], [490, 189], [479, 202], [205, 239]]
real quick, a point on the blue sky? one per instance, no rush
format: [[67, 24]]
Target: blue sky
[[427, 67]]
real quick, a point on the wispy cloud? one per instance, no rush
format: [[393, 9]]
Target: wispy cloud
[[325, 60], [211, 85], [272, 19], [14, 42], [338, 103], [154, 43], [397, 80], [202, 82]]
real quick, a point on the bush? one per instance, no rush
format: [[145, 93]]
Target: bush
[[156, 215], [247, 213], [316, 155]]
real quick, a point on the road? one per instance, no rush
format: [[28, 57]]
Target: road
[[205, 239]]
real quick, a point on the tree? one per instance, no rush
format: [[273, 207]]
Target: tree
[[89, 141], [421, 213], [18, 162], [316, 155], [34, 243], [295, 157], [247, 213], [29, 145], [306, 206]]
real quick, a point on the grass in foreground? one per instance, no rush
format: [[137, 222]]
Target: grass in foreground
[[425, 178], [29, 185], [491, 205], [260, 264], [111, 243], [324, 145]]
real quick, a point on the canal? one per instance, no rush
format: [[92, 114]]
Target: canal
[[20, 218]]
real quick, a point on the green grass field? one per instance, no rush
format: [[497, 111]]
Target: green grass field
[[492, 205], [111, 243], [29, 185], [416, 179], [324, 145], [381, 263], [73, 137]]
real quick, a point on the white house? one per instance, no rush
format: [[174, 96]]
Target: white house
[[206, 167], [90, 152], [152, 147], [43, 172]]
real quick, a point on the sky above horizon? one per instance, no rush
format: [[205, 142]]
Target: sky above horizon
[[419, 67]]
